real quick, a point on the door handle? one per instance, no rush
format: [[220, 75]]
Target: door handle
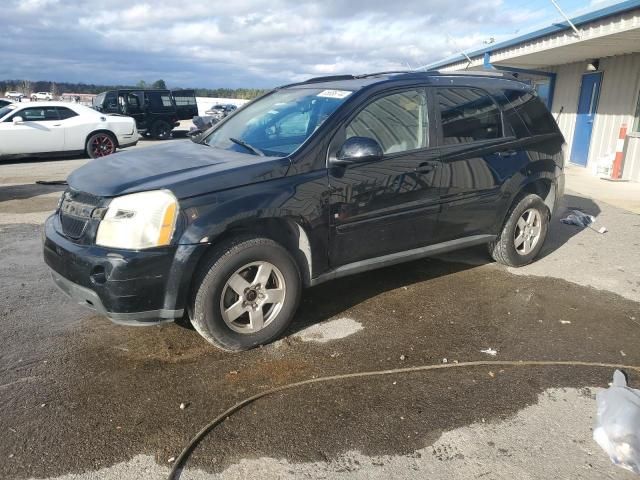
[[56, 124], [426, 167], [507, 153]]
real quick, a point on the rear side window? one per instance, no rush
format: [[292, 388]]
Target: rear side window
[[468, 115], [184, 100], [531, 111], [66, 113], [398, 122], [159, 100]]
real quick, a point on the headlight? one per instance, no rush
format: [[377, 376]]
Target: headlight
[[140, 220]]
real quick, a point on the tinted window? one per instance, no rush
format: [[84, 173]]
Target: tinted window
[[66, 113], [111, 102], [184, 100], [158, 100], [526, 107], [398, 122], [35, 114], [468, 115]]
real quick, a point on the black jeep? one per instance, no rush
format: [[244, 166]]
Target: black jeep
[[156, 112], [310, 182]]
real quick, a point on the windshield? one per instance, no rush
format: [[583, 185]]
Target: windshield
[[279, 123], [5, 110]]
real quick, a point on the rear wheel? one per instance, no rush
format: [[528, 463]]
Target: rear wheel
[[246, 294], [100, 145], [161, 130], [523, 234]]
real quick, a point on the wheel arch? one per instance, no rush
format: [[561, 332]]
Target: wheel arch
[[101, 130], [285, 231]]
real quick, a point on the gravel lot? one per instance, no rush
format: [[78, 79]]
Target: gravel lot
[[81, 398]]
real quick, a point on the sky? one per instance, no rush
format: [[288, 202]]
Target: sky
[[251, 43]]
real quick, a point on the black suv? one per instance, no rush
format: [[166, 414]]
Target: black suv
[[310, 182], [156, 112]]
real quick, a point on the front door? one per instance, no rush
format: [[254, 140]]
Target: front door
[[392, 204], [40, 131], [587, 108]]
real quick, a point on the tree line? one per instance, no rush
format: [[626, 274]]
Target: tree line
[[28, 87]]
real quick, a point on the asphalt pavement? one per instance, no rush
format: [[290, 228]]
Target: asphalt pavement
[[82, 398]]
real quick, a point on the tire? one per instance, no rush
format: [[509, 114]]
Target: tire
[[523, 233], [237, 262], [100, 145], [161, 130]]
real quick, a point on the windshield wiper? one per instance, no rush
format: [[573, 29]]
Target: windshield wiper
[[244, 144]]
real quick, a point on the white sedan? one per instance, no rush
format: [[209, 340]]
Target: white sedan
[[57, 127]]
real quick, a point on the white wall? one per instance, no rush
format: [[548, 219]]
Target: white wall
[[617, 104]]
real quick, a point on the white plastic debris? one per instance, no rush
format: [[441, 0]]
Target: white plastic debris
[[580, 219], [617, 428], [565, 322], [489, 351]]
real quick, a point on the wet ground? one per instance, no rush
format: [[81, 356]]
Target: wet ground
[[81, 395]]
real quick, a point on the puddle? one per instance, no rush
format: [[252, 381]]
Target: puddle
[[331, 330]]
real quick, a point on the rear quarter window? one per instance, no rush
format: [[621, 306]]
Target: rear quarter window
[[526, 109]]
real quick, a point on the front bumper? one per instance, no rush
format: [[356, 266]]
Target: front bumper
[[129, 287]]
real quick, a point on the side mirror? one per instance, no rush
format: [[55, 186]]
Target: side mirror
[[17, 120], [358, 150]]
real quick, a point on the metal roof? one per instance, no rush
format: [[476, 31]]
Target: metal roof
[[555, 28]]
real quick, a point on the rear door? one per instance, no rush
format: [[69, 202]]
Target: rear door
[[473, 149], [186, 105], [39, 132], [389, 205]]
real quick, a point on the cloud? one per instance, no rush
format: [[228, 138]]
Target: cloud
[[240, 42]]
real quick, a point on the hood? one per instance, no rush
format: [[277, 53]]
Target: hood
[[182, 166]]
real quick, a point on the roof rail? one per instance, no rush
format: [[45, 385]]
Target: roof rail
[[328, 78], [473, 73], [388, 72]]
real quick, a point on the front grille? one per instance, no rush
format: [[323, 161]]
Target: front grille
[[75, 211]]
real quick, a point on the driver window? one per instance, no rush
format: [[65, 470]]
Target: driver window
[[398, 122], [37, 114]]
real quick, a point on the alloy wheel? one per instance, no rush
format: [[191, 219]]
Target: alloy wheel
[[252, 297], [528, 231]]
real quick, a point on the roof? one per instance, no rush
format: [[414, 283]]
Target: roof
[[356, 82], [52, 104], [552, 29]]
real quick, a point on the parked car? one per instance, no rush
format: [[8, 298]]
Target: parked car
[[310, 182], [4, 103], [220, 111], [13, 95], [156, 112], [50, 128], [39, 96]]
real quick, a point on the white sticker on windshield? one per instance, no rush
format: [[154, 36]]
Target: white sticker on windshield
[[334, 93]]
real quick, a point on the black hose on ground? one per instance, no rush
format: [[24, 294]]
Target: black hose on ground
[[177, 468], [52, 182]]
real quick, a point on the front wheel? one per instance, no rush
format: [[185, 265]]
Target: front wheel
[[523, 233], [246, 294], [100, 145]]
